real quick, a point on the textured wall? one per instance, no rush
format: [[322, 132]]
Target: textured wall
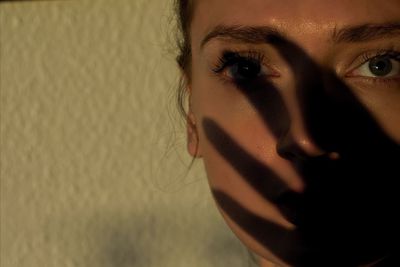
[[93, 166]]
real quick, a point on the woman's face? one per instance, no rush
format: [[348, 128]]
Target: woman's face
[[294, 108]]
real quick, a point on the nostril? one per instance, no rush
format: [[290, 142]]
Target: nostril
[[290, 148], [287, 148]]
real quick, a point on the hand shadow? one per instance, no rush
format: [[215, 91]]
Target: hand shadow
[[346, 215]]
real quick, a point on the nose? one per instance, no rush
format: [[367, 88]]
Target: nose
[[296, 141], [295, 144]]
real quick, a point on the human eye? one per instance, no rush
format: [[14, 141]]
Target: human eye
[[242, 66], [381, 66]]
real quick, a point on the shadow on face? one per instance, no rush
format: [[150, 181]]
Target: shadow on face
[[347, 212]]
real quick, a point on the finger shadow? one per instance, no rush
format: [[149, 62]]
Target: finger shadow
[[348, 210]]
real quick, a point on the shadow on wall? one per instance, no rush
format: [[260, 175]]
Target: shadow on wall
[[157, 240], [162, 237]]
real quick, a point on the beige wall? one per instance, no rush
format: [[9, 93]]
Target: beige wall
[[93, 165]]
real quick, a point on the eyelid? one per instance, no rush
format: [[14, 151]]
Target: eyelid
[[250, 55], [368, 56], [232, 55], [373, 54], [363, 67]]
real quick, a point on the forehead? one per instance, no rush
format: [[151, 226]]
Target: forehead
[[291, 16]]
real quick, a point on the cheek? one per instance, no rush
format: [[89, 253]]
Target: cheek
[[232, 112], [387, 113], [237, 118], [224, 177], [383, 104]]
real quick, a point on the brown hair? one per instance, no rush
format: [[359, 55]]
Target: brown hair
[[184, 12]]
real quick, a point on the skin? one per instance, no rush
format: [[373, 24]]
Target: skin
[[308, 26]]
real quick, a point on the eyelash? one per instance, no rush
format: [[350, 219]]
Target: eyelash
[[230, 58], [389, 53], [393, 54]]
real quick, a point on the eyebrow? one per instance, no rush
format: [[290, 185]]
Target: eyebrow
[[245, 34], [348, 34], [366, 32]]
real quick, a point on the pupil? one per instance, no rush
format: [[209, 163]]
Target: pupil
[[248, 70], [380, 66]]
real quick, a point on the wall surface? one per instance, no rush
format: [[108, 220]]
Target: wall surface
[[93, 164]]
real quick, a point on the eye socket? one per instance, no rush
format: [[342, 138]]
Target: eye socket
[[383, 66], [243, 68]]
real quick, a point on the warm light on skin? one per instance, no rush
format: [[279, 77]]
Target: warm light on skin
[[310, 24]]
